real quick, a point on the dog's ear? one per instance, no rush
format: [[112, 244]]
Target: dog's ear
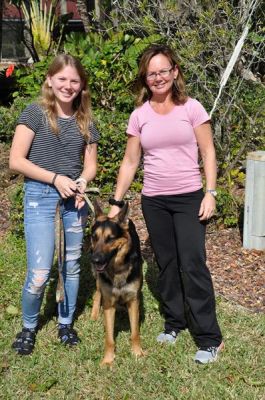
[[97, 209], [123, 214]]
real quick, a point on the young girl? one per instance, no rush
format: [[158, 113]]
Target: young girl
[[169, 127], [53, 139]]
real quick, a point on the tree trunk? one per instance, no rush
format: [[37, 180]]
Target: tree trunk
[[82, 7], [98, 10]]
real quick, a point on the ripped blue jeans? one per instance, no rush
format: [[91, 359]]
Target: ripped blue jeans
[[40, 203]]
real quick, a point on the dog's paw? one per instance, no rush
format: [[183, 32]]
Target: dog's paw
[[138, 351], [107, 361]]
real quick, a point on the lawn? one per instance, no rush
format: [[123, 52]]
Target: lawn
[[165, 373]]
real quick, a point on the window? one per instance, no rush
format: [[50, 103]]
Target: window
[[12, 47]]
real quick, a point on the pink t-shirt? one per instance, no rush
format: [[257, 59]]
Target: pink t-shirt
[[169, 146]]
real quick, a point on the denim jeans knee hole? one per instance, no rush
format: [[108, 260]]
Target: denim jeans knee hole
[[75, 228], [39, 280]]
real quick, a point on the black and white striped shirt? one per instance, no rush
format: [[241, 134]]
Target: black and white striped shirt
[[59, 153]]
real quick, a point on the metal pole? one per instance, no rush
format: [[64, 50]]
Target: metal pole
[[254, 215]]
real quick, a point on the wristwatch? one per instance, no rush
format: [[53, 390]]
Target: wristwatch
[[118, 203], [212, 191]]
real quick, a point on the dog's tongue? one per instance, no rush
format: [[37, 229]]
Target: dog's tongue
[[101, 267]]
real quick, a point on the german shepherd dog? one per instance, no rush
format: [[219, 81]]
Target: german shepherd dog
[[117, 265]]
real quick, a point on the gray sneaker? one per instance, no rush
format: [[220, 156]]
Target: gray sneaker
[[207, 355], [167, 337]]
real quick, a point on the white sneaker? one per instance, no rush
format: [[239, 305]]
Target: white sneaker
[[207, 355], [167, 337]]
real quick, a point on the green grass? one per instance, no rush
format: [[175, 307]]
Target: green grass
[[165, 373]]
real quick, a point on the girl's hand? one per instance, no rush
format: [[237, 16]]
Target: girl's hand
[[207, 207], [65, 186], [79, 201]]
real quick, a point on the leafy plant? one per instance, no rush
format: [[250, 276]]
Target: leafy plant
[[228, 207], [30, 78], [112, 127], [40, 20], [43, 26]]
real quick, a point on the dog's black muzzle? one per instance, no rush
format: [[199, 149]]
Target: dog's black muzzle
[[101, 260]]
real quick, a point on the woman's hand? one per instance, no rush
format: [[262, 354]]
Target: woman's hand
[[114, 210], [207, 207]]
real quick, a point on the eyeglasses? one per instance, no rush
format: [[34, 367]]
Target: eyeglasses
[[164, 73]]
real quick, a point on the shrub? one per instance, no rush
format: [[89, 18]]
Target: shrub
[[8, 118], [228, 207], [112, 127], [29, 78]]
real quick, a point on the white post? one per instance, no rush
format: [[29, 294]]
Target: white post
[[254, 216], [63, 7]]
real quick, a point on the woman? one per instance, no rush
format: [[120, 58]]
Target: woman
[[55, 148], [168, 127]]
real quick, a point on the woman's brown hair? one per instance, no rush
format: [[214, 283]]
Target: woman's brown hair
[[81, 104], [179, 95]]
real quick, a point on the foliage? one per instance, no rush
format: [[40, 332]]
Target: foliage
[[166, 372], [228, 207], [8, 118], [29, 79], [244, 127], [44, 26], [111, 63], [40, 22], [111, 126]]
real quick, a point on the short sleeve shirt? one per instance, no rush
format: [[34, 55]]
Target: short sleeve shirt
[[59, 153], [170, 147]]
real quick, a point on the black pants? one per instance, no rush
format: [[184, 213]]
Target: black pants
[[185, 285]]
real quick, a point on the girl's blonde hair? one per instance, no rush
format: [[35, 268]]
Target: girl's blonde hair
[[81, 104], [179, 95]]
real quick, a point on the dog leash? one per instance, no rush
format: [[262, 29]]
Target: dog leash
[[60, 250], [60, 242]]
